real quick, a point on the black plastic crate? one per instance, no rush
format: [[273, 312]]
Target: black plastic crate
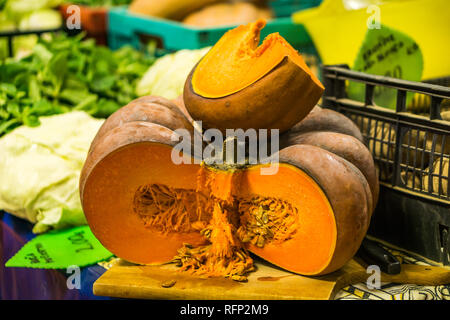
[[412, 153]]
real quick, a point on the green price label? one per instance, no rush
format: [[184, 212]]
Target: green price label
[[387, 52], [61, 249]]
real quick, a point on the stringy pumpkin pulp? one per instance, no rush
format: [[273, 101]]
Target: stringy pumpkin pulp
[[227, 222]]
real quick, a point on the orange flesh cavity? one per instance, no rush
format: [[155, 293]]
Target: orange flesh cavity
[[235, 62], [152, 213]]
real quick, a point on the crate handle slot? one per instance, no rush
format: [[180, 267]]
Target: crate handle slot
[[370, 88], [435, 108], [401, 101], [145, 38]]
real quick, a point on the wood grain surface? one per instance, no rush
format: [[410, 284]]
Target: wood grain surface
[[124, 280]]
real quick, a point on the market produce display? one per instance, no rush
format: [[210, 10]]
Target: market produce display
[[417, 145], [269, 86], [118, 157], [309, 217], [420, 104], [66, 73]]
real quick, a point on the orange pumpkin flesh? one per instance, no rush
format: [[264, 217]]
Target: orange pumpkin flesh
[[240, 85], [242, 62]]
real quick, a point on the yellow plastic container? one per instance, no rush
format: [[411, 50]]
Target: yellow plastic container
[[337, 30]]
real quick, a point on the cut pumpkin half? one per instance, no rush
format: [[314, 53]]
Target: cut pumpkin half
[[309, 217]]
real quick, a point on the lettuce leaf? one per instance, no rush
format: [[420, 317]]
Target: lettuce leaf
[[166, 77], [40, 169]]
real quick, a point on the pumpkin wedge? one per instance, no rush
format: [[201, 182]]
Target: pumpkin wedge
[[309, 217], [239, 84]]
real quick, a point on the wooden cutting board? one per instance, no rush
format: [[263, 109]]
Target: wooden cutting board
[[124, 280]]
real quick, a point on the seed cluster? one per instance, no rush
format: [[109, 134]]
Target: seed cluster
[[266, 220]]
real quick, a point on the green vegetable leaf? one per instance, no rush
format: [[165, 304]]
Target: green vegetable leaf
[[13, 108], [7, 126], [105, 108], [42, 53], [43, 107], [4, 114], [33, 89], [9, 89], [102, 82], [87, 103], [57, 69], [65, 73], [31, 121]]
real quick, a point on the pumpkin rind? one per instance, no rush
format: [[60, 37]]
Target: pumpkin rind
[[322, 119], [343, 145]]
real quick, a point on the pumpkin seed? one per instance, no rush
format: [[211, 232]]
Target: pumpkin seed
[[260, 241], [168, 283], [240, 255], [246, 238], [239, 278]]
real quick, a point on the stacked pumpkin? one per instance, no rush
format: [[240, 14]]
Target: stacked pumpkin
[[309, 217]]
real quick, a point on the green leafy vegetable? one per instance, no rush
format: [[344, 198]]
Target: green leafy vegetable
[[68, 73]]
